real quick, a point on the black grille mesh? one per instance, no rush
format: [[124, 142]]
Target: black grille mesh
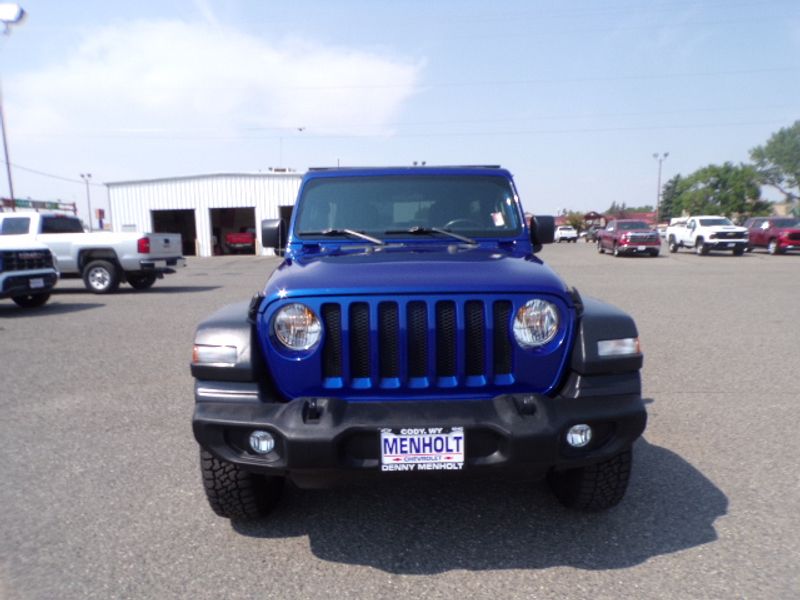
[[332, 350], [502, 339], [446, 339], [475, 332], [417, 339], [359, 339], [389, 339]]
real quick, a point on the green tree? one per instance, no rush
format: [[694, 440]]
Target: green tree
[[669, 195], [731, 190], [778, 161], [575, 219], [621, 211]]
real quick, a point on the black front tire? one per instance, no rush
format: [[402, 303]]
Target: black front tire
[[142, 282], [31, 300], [234, 493], [595, 487], [101, 277], [700, 247], [673, 245]]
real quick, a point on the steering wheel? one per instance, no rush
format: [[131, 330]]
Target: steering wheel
[[468, 222]]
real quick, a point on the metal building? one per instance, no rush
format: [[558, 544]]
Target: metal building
[[203, 208]]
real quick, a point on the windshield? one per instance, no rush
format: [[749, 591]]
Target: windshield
[[391, 206], [715, 221], [629, 225], [786, 223]]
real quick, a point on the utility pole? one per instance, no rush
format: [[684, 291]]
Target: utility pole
[[660, 158], [86, 177], [10, 14], [5, 150]]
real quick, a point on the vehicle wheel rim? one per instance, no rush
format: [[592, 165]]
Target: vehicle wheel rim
[[99, 278], [773, 247]]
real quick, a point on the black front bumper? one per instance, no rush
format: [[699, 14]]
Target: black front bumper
[[323, 440], [20, 285]]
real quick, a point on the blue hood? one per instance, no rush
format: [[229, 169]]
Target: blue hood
[[413, 269]]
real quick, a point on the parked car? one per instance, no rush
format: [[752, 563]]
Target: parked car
[[628, 236], [590, 235], [102, 259], [27, 275], [408, 333], [776, 234], [243, 241], [705, 233], [566, 233]]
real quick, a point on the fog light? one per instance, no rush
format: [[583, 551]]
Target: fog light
[[262, 442], [578, 435]]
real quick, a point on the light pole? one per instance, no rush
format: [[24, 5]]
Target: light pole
[[660, 158], [86, 177], [10, 14]]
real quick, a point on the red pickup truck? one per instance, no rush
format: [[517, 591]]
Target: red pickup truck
[[628, 236], [243, 241], [776, 234]]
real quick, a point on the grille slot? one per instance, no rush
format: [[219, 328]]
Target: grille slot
[[502, 339], [446, 351], [417, 339], [389, 339], [332, 350], [475, 335], [359, 340]]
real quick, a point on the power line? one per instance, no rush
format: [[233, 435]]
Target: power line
[[50, 175]]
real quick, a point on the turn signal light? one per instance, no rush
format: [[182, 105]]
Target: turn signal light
[[620, 347]]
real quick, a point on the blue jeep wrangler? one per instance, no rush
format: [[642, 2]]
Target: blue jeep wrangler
[[411, 331]]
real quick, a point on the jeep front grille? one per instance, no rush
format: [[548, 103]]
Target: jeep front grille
[[417, 344]]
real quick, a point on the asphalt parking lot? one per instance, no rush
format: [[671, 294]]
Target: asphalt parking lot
[[101, 494]]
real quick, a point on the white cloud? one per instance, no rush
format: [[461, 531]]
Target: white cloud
[[201, 78]]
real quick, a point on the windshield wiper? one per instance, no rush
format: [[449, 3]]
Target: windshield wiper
[[429, 230], [350, 232]]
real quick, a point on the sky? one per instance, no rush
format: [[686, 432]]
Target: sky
[[572, 96]]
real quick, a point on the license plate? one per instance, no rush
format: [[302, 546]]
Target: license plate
[[422, 449], [36, 283], [641, 248]]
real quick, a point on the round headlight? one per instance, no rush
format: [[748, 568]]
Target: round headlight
[[536, 323], [297, 327]]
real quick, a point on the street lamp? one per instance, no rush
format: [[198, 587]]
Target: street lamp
[[86, 177], [10, 14], [660, 158]]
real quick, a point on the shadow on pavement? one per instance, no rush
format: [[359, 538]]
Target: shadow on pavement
[[156, 289], [423, 528], [12, 311]]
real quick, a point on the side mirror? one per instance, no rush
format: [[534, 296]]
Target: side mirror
[[543, 231], [273, 234]]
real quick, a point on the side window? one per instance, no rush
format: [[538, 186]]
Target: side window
[[611, 226], [15, 226]]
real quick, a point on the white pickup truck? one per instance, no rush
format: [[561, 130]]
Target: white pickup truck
[[705, 233], [102, 259]]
